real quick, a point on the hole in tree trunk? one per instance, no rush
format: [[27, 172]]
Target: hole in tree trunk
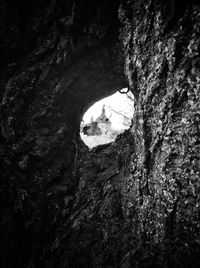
[[107, 118]]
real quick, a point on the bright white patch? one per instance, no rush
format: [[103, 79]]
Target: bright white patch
[[115, 105], [119, 108]]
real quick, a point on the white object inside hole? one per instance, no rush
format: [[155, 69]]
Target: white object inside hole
[[107, 118]]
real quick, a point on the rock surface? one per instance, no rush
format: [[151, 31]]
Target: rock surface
[[133, 203]]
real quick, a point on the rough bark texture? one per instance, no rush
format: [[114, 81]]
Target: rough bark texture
[[133, 203]]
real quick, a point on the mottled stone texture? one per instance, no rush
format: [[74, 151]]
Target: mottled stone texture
[[134, 203]]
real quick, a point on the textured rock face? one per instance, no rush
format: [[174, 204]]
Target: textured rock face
[[134, 203]]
